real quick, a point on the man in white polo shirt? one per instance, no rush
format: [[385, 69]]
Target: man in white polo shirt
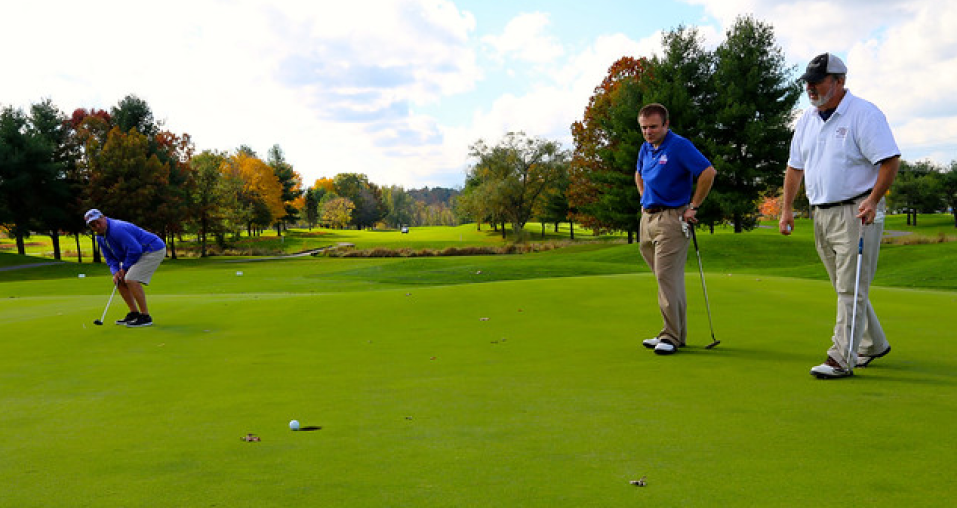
[[844, 150]]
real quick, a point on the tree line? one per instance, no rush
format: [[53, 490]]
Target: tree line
[[924, 187], [737, 103], [54, 166]]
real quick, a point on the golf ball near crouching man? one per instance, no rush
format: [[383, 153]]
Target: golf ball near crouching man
[[133, 255], [845, 152], [667, 169]]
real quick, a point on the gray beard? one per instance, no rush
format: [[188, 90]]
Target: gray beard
[[822, 100]]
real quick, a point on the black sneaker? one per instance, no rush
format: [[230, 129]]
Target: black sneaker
[[128, 319], [865, 360], [141, 320]]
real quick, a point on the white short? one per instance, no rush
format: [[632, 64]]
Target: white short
[[142, 271]]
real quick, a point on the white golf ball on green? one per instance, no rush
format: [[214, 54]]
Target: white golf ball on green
[[294, 425]]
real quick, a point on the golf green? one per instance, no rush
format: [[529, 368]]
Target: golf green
[[504, 393]]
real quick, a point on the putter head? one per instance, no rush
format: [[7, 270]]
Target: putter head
[[713, 344], [97, 322]]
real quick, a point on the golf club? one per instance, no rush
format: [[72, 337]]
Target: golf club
[[99, 322], [697, 252], [857, 288]]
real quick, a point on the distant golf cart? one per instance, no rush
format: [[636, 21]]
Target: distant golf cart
[[404, 229]]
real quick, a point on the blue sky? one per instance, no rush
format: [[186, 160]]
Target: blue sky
[[399, 89]]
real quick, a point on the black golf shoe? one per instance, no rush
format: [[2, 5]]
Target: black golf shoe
[[865, 360], [140, 321], [130, 317]]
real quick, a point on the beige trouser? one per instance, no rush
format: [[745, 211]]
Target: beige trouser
[[836, 235], [664, 247]]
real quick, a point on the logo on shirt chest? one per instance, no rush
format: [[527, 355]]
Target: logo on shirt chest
[[663, 160], [840, 133]]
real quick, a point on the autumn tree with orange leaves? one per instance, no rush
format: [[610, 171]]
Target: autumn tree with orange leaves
[[258, 191], [602, 194], [770, 207]]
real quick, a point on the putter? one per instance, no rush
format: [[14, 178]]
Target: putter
[[857, 288], [99, 322], [694, 238]]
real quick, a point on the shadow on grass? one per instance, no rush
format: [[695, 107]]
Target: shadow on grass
[[917, 376], [727, 351]]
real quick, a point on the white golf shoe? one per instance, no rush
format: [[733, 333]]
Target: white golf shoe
[[650, 343], [830, 370], [665, 348]]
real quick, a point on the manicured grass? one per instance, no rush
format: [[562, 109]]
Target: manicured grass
[[425, 402], [301, 240], [762, 252], [475, 381], [927, 225]]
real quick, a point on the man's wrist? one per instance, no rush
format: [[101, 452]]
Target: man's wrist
[[692, 207]]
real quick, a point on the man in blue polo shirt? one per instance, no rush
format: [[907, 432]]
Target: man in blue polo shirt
[[845, 152], [133, 255], [668, 165]]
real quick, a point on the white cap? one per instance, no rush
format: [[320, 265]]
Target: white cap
[[91, 215]]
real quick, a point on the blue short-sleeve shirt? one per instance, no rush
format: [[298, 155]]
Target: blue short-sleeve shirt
[[669, 171]]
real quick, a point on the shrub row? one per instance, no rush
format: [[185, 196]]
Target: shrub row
[[480, 250]]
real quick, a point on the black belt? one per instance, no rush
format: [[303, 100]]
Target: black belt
[[659, 209], [848, 201]]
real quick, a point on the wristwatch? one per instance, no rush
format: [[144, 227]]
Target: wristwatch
[[692, 207]]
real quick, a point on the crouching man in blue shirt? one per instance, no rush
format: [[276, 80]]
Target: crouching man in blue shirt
[[133, 255]]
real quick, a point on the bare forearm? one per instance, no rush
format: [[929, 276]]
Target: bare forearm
[[792, 184], [703, 187], [867, 210], [885, 178]]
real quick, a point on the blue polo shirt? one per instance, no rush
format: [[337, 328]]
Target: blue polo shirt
[[669, 171]]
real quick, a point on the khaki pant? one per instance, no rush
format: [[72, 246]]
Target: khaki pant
[[664, 247], [836, 235]]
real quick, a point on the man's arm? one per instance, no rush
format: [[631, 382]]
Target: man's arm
[[792, 184], [701, 190], [640, 183], [703, 186], [885, 178]]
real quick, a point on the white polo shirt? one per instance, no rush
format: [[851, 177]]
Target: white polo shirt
[[840, 157]]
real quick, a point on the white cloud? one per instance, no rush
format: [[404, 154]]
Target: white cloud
[[332, 83], [901, 55], [342, 86], [548, 109], [524, 39]]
